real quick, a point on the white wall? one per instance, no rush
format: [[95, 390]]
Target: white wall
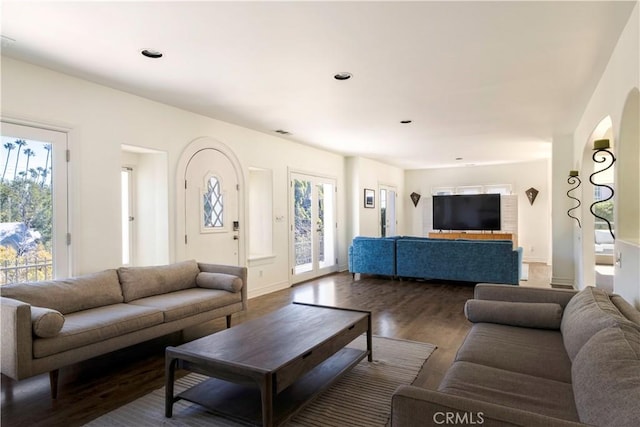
[[620, 79], [563, 243], [366, 173], [101, 119], [534, 226]]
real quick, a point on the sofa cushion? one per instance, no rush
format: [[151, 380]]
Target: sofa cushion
[[523, 314], [512, 389], [95, 325], [181, 304], [221, 281], [606, 378], [626, 309], [588, 312], [69, 295], [46, 322], [141, 282], [517, 350]]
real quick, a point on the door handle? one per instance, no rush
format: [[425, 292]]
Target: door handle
[[235, 237]]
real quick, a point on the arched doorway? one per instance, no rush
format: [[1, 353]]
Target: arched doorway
[[627, 250], [597, 242], [210, 204]]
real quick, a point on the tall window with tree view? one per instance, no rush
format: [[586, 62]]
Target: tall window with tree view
[[26, 215]]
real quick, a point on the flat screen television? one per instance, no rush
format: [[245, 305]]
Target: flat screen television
[[466, 212]]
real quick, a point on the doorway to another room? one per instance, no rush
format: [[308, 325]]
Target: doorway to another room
[[388, 221]]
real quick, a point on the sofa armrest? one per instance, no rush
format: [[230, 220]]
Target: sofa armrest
[[17, 338], [418, 407], [490, 291], [241, 272]]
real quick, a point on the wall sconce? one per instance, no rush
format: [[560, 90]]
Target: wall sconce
[[601, 146], [573, 179]]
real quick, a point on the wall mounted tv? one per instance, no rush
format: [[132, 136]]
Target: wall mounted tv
[[466, 212]]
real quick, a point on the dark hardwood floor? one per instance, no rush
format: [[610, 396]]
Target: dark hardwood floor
[[413, 310]]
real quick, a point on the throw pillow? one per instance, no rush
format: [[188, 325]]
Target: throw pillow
[[46, 323], [522, 314], [224, 282]]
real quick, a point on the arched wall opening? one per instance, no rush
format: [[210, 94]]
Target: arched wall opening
[[593, 249], [627, 248], [628, 204]]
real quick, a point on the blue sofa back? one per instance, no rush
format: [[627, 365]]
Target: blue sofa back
[[373, 255], [493, 261]]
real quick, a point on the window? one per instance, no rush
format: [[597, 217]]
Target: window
[[502, 189], [126, 176], [33, 204], [213, 206], [442, 191], [472, 189]]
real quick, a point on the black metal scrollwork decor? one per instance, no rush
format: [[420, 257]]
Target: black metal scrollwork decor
[[600, 147], [573, 179]]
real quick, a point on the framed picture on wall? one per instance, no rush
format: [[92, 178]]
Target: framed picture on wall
[[369, 198]]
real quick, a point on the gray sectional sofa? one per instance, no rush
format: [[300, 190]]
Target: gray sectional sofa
[[536, 357], [50, 324]]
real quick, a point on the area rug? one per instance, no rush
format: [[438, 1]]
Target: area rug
[[360, 398]]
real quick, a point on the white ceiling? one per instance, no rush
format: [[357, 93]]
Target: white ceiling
[[490, 82]]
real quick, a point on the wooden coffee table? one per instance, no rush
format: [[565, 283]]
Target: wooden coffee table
[[266, 369]]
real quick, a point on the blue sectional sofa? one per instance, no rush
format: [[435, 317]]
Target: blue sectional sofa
[[493, 261], [373, 255]]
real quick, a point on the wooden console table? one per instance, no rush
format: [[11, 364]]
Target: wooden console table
[[452, 235]]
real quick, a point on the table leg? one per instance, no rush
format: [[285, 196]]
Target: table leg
[[266, 390], [170, 370], [370, 340]]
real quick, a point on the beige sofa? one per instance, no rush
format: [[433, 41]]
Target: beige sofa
[[536, 357], [50, 324]]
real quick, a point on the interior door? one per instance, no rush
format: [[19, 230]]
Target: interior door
[[212, 208], [313, 231]]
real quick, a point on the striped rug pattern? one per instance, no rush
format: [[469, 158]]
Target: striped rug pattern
[[362, 397]]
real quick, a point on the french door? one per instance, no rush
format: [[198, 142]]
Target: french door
[[34, 239], [313, 228]]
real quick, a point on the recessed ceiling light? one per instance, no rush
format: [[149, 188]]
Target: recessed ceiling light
[[151, 53], [404, 122], [343, 76]]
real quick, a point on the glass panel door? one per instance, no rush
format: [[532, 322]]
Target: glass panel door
[[313, 227], [326, 225], [302, 234]]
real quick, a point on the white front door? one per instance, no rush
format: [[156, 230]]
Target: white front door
[[211, 208], [313, 231]]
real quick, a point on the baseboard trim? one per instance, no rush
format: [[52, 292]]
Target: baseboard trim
[[263, 290], [562, 283]]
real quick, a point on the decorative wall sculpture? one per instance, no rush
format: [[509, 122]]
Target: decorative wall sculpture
[[573, 179]]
